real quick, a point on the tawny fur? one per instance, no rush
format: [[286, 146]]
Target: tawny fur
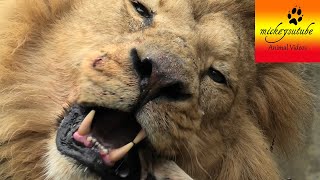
[[42, 73]]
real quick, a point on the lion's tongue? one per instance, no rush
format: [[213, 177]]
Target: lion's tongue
[[112, 155]]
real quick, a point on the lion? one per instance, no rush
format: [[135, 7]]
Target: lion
[[136, 89]]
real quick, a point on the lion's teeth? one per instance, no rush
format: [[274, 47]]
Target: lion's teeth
[[89, 138], [141, 135], [85, 126], [117, 154], [96, 144], [100, 146], [105, 151]]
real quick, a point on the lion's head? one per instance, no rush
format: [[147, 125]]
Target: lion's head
[[181, 71]]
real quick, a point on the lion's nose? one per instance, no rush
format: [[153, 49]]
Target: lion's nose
[[160, 75]]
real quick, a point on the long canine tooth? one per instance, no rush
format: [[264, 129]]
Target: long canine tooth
[[141, 135], [85, 126], [117, 154]]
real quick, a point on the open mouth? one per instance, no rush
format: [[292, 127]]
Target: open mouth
[[104, 140]]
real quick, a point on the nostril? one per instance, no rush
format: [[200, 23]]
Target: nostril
[[143, 67], [146, 68], [175, 91]]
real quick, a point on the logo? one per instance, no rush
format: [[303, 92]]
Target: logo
[[298, 18], [287, 32]]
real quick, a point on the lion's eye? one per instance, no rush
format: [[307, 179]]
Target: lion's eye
[[217, 76], [141, 9]]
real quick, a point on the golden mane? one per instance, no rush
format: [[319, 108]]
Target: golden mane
[[281, 102], [22, 23]]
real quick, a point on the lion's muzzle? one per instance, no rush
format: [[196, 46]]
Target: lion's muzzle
[[161, 74], [123, 82]]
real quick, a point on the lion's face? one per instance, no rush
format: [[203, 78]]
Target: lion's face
[[167, 73], [181, 72]]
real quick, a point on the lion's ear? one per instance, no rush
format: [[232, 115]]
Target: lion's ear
[[281, 103]]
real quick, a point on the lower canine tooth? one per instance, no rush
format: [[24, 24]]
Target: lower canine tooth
[[117, 154]]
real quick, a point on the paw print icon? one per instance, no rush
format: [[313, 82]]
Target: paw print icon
[[295, 16]]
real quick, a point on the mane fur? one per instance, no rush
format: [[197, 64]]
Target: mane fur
[[282, 105], [25, 122]]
